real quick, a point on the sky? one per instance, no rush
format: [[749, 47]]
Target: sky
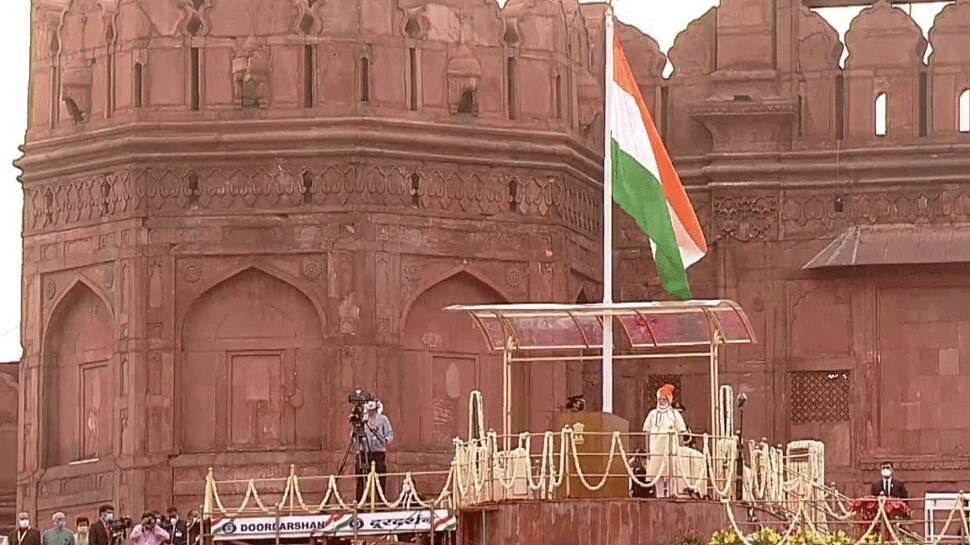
[[662, 23]]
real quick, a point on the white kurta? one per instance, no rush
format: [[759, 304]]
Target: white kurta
[[668, 459]]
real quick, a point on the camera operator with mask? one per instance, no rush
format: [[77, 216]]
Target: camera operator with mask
[[148, 532], [379, 434]]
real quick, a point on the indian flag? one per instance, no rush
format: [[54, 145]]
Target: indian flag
[[645, 184]]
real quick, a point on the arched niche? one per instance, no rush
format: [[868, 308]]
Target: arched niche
[[444, 358], [78, 379], [252, 374]]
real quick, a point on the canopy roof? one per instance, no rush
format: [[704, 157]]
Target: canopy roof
[[646, 325]]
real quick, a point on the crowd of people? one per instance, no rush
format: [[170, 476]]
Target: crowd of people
[[153, 529]]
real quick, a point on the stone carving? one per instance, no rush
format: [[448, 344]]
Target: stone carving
[[746, 218], [349, 315], [464, 74], [50, 288], [108, 277], [263, 186], [813, 212], [250, 74], [312, 270], [154, 330], [192, 273], [513, 277]]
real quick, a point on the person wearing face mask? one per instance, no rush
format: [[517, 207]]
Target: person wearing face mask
[[24, 534], [889, 485], [148, 533], [81, 524], [100, 532], [664, 426], [176, 526], [193, 526], [59, 534]]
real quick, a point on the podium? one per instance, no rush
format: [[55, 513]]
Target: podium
[[594, 452]]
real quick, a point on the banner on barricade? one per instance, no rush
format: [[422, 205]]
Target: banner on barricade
[[332, 524]]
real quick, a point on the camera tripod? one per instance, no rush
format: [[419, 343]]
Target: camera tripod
[[357, 441]]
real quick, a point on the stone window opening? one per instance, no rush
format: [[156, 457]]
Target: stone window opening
[[309, 76], [468, 103], [307, 191], [194, 191], [840, 107], [413, 78], [105, 197], [514, 196], [963, 111], [415, 190], [109, 74], [55, 47], [364, 79], [49, 206], [511, 86], [558, 96], [881, 111], [924, 103], [138, 83], [196, 95]]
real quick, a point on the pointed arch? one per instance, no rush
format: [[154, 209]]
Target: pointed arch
[[450, 273], [250, 372], [443, 359], [78, 376], [269, 270]]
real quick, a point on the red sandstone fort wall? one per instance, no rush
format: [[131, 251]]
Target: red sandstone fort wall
[[233, 218]]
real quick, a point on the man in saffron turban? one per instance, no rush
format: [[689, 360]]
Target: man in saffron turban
[[664, 427]]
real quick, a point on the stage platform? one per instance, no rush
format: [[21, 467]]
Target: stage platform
[[619, 521]]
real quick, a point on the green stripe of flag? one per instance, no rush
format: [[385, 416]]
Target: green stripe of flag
[[641, 196]]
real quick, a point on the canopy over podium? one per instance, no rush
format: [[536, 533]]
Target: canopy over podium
[[540, 332]]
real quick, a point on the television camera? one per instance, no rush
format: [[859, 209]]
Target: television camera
[[358, 400], [119, 528]]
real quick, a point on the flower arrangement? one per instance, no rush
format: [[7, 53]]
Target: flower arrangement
[[866, 509], [690, 538], [767, 536]]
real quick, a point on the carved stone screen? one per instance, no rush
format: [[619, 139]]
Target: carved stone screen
[[819, 396]]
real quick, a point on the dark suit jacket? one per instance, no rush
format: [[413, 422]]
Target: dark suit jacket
[[99, 534], [32, 537], [897, 489], [179, 533]]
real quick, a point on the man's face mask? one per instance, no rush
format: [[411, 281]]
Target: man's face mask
[[82, 529], [887, 472], [23, 523], [108, 517], [59, 524]]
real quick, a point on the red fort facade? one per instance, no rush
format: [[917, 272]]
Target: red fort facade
[[233, 217]]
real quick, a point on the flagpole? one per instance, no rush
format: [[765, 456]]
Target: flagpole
[[608, 219]]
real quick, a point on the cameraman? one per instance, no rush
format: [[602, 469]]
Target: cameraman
[[148, 532], [379, 434]]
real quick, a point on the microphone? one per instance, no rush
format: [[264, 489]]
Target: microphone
[[742, 399]]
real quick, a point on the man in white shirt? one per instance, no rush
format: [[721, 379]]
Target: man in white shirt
[[664, 426]]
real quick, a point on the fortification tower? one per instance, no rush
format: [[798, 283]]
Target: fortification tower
[[235, 212]]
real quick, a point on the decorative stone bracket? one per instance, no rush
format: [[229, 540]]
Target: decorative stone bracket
[[746, 124]]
